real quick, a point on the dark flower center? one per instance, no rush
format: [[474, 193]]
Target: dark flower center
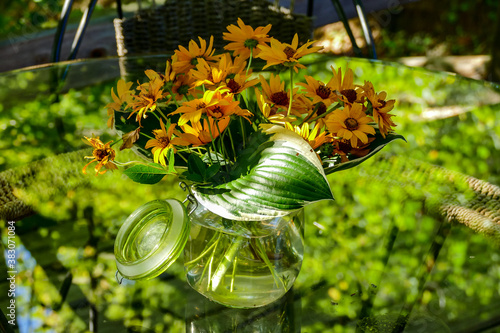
[[280, 98], [210, 77], [321, 108], [345, 146], [100, 154], [250, 43], [351, 124], [350, 94], [202, 105], [290, 52], [323, 92], [149, 96], [382, 103], [163, 141], [183, 90], [233, 86], [215, 112], [273, 111], [194, 61]]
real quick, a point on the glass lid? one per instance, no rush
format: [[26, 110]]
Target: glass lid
[[151, 239]]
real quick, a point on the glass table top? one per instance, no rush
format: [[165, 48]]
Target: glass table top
[[411, 242]]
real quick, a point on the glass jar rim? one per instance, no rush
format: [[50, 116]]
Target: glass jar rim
[[206, 217]]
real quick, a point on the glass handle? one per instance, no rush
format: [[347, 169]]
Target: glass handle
[[190, 197], [119, 277]]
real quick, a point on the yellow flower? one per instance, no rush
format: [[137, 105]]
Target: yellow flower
[[381, 108], [208, 74], [244, 38], [344, 86], [214, 75], [184, 85], [152, 75], [274, 91], [124, 96], [236, 66], [170, 74], [213, 104], [163, 142], [313, 112], [239, 83], [193, 110], [103, 154], [225, 107], [203, 132], [149, 94], [270, 114], [275, 94], [184, 59], [351, 123], [317, 91], [226, 73], [241, 112], [343, 148], [286, 54], [313, 137]]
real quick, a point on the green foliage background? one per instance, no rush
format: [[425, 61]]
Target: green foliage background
[[366, 253]]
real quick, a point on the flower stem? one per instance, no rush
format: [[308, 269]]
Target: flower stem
[[116, 142], [291, 92], [209, 266], [262, 253], [312, 114], [232, 142], [248, 68], [327, 112], [210, 155], [226, 261], [165, 117], [223, 149], [213, 143], [243, 132], [205, 252], [173, 97], [249, 61], [154, 114], [235, 263], [127, 163], [147, 136]]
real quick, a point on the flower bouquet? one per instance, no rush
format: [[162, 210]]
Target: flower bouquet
[[255, 148]]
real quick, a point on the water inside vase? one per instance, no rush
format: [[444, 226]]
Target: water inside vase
[[242, 271]]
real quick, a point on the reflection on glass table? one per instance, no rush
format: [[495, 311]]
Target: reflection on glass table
[[410, 244]]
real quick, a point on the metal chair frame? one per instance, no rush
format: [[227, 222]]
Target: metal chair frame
[[66, 10]]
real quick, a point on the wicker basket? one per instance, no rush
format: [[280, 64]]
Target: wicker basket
[[163, 28]]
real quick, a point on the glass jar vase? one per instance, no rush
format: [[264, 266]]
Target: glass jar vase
[[243, 264]]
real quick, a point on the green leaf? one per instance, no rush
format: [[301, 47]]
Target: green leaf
[[283, 174], [210, 157], [374, 147], [212, 170], [196, 166], [151, 173], [194, 177]]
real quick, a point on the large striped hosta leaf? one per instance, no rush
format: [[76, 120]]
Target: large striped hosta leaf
[[284, 174]]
